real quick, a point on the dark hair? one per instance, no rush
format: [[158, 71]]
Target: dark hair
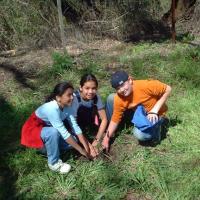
[[59, 90], [88, 77]]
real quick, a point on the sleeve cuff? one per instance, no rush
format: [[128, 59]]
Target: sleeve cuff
[[78, 133], [66, 135], [103, 107]]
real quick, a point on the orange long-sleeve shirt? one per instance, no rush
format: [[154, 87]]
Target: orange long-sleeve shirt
[[145, 92]]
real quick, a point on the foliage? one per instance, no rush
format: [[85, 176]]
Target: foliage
[[121, 19], [61, 62], [35, 23], [187, 69], [27, 22]]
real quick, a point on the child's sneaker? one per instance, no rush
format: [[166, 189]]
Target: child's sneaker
[[61, 167]]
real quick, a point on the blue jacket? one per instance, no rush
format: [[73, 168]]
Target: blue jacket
[[141, 121]]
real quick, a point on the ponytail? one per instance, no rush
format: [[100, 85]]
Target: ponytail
[[59, 90]]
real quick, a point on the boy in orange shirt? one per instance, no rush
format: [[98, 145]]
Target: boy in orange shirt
[[152, 94]]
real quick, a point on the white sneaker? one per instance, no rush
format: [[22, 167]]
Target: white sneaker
[[61, 167]]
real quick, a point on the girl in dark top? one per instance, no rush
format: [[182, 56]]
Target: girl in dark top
[[89, 110]]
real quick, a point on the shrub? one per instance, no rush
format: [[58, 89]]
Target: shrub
[[61, 62], [188, 68]]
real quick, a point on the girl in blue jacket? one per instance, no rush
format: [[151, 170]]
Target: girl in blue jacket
[[46, 128]]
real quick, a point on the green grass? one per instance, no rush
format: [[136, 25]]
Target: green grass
[[168, 171]]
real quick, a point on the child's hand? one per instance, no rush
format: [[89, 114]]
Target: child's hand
[[93, 152], [95, 143], [97, 146], [105, 143], [152, 117], [84, 153]]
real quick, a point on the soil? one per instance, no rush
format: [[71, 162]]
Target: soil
[[24, 63], [22, 67]]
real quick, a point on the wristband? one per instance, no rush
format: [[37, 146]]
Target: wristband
[[152, 113]]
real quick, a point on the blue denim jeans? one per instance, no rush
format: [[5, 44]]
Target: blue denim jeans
[[155, 134], [53, 142], [141, 136], [109, 106]]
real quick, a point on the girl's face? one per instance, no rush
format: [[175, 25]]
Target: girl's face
[[66, 98], [88, 90]]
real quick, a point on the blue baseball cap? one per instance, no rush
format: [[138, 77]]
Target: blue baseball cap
[[118, 78]]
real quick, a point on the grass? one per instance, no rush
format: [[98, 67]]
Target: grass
[[168, 171]]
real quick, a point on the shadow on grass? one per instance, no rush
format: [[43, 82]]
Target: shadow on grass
[[7, 180], [7, 177], [10, 124], [126, 123], [172, 122], [19, 76], [161, 35]]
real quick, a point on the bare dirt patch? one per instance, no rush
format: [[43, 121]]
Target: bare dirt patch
[[131, 195], [118, 149], [23, 67]]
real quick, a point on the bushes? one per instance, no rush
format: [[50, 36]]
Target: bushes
[[32, 22], [61, 62], [121, 19], [187, 68], [35, 22]]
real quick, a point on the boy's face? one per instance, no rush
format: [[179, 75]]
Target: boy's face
[[126, 88]]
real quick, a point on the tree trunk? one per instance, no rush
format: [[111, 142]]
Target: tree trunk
[[60, 16]]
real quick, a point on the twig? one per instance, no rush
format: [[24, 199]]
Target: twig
[[96, 21], [107, 156], [121, 16], [23, 3], [112, 29]]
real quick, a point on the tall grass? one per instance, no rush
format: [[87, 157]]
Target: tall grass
[[168, 171]]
